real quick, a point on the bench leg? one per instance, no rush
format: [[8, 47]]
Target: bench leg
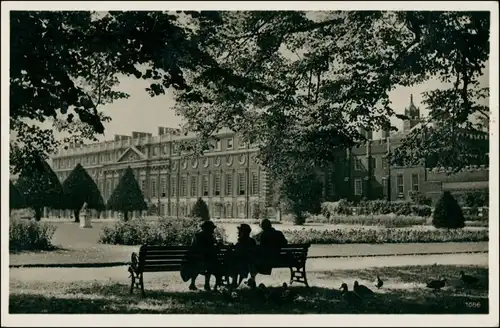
[[298, 275], [141, 282], [132, 282]]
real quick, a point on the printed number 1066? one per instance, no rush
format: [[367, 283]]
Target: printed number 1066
[[473, 304]]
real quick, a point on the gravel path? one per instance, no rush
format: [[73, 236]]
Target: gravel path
[[313, 265]]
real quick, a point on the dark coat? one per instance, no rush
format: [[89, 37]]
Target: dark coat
[[270, 243]]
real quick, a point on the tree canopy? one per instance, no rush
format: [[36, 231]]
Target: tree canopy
[[80, 188], [298, 84], [303, 193], [127, 195], [66, 64], [16, 199], [40, 187]]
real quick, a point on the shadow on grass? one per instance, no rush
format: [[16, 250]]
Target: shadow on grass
[[114, 297], [52, 248], [416, 275]]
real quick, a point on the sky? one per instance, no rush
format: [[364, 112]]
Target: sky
[[142, 113]]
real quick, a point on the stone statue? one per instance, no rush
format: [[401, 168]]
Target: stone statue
[[85, 219]]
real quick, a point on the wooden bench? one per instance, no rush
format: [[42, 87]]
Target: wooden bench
[[153, 258], [294, 257]]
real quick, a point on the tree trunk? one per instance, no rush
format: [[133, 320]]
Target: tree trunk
[[38, 213], [77, 215], [125, 215]]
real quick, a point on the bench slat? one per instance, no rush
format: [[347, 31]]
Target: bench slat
[[162, 268]]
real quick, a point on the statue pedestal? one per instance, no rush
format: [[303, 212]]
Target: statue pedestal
[[85, 221]]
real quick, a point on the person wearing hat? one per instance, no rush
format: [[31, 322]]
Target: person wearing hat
[[244, 252], [270, 243], [205, 244]]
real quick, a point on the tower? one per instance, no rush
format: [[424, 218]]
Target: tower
[[413, 114]]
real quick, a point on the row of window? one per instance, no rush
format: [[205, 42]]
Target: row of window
[[400, 188], [359, 165], [112, 156], [193, 189], [221, 211], [228, 160]]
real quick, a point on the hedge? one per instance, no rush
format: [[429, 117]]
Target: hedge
[[382, 236], [344, 207], [387, 220], [164, 231]]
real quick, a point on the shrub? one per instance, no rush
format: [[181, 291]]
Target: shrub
[[79, 188], [475, 218], [447, 213], [474, 211], [420, 199], [127, 196], [257, 213], [200, 210], [477, 198], [382, 236], [40, 187], [164, 231], [30, 235], [388, 220], [421, 210]]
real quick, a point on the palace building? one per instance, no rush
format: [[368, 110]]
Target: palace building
[[231, 182], [227, 177]]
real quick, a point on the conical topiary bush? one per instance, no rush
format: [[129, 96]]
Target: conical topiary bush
[[448, 213], [127, 196], [200, 210]]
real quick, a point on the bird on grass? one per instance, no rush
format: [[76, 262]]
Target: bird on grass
[[228, 293], [350, 297], [436, 285], [262, 292], [379, 283], [362, 290], [467, 279]]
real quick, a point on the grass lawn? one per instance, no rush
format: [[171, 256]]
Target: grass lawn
[[404, 292], [76, 245]]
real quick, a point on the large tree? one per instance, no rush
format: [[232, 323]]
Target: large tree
[[127, 195], [40, 187], [302, 193], [317, 76], [64, 64], [301, 83], [16, 199], [79, 188]]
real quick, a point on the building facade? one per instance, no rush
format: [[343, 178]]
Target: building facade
[[371, 175], [228, 178], [234, 185]]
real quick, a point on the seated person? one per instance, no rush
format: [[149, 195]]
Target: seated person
[[205, 245], [244, 253], [270, 243]]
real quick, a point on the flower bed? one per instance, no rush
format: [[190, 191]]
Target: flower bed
[[164, 231], [382, 236]]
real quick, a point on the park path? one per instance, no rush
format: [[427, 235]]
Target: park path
[[80, 246], [120, 274], [113, 254]]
